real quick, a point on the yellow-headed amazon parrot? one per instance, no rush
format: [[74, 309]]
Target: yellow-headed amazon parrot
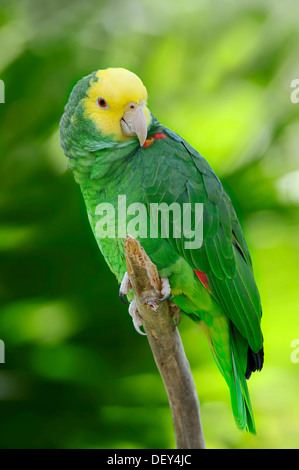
[[122, 157]]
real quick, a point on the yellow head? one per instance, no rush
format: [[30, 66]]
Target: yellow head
[[116, 103]]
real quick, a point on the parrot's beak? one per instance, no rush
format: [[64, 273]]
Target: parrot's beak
[[134, 122]]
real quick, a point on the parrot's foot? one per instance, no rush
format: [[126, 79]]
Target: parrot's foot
[[174, 309], [124, 288], [133, 310], [137, 320], [175, 312], [165, 291]]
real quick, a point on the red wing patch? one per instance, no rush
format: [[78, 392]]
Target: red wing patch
[[203, 279], [157, 136], [160, 135]]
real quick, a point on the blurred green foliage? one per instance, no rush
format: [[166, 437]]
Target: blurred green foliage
[[219, 74]]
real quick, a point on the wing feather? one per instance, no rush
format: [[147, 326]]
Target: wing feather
[[187, 177]]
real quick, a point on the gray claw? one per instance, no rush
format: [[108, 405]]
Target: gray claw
[[165, 291], [122, 298], [165, 297], [137, 320]]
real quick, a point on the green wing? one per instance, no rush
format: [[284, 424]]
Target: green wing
[[175, 172]]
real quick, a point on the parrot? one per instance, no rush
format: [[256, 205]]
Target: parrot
[[116, 148]]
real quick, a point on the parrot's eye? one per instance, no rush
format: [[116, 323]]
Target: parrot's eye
[[102, 103]]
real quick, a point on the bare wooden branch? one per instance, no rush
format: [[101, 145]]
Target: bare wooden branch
[[166, 346]]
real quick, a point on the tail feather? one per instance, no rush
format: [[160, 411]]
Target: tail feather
[[240, 398], [230, 350]]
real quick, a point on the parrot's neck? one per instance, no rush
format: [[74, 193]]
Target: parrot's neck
[[106, 158]]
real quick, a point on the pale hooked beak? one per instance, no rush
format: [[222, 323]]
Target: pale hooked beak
[[134, 122]]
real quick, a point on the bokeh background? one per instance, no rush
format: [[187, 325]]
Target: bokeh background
[[218, 73]]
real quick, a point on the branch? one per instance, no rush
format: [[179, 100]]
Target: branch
[[166, 346]]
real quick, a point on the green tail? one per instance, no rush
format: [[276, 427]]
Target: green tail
[[230, 348], [239, 393]]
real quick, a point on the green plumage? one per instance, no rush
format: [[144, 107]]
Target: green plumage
[[170, 170]]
